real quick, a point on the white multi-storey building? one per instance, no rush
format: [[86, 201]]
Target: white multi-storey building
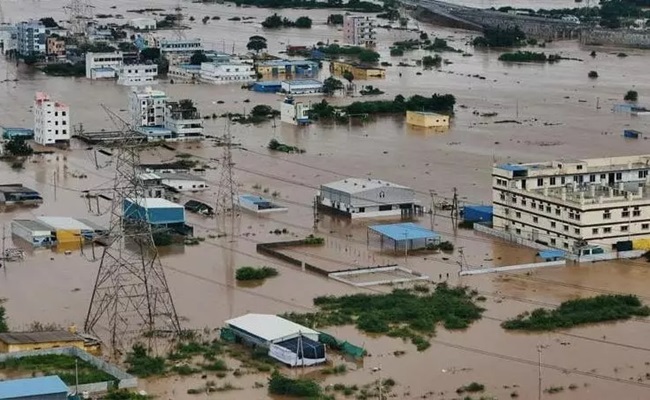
[[184, 120], [294, 112], [31, 38], [51, 121], [147, 107], [227, 72], [103, 65], [570, 203], [143, 24], [359, 30], [137, 74]]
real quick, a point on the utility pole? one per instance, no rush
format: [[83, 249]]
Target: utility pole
[[454, 210], [539, 372], [55, 179], [462, 263], [130, 297], [315, 212], [406, 249], [432, 214]]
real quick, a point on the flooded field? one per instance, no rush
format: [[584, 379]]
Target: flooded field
[[556, 110]]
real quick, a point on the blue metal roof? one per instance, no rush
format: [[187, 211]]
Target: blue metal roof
[[404, 231], [513, 167], [314, 82], [40, 386], [254, 199], [480, 208], [550, 254]]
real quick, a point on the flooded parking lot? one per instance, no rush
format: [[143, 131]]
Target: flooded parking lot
[[555, 107]]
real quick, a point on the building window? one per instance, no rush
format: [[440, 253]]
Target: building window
[[594, 231], [552, 181], [624, 228], [523, 202], [602, 177], [63, 113], [552, 224], [540, 181], [548, 209], [619, 176], [625, 214], [518, 214], [607, 230], [552, 241], [514, 199], [579, 167], [566, 245], [636, 213], [645, 227], [533, 205], [607, 215], [576, 231], [557, 211], [502, 196], [592, 178], [566, 228], [518, 231], [535, 219], [577, 216]]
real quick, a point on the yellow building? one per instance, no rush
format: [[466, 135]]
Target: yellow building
[[358, 71], [427, 119], [11, 342]]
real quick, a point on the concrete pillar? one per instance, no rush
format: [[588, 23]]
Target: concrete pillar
[[621, 186], [545, 190], [640, 193], [610, 191], [563, 193], [592, 190], [582, 197], [302, 266]]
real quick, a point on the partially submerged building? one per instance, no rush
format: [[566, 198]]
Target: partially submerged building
[[302, 87], [33, 232], [368, 198], [161, 214], [199, 207], [294, 112], [401, 237], [359, 30], [39, 388], [11, 342], [51, 121], [286, 68], [259, 205], [424, 119], [288, 342], [183, 182], [359, 71], [16, 193], [570, 203]]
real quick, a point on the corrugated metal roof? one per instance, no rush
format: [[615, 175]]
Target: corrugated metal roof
[[92, 224], [269, 327], [32, 225], [152, 202], [64, 223], [405, 231], [38, 337], [357, 185], [30, 387]]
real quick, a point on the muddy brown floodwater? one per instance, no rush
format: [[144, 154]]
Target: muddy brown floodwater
[[556, 108]]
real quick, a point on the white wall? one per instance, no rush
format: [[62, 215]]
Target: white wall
[[51, 122]]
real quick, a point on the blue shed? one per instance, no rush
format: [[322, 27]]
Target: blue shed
[[155, 210], [42, 388], [267, 86], [9, 133], [477, 213]]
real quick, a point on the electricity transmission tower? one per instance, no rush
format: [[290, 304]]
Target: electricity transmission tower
[[79, 14], [178, 21], [131, 297], [227, 207]]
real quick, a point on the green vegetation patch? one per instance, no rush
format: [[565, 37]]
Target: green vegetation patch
[[142, 365], [580, 312], [529, 56], [275, 145], [408, 314], [255, 274], [57, 364], [301, 388]]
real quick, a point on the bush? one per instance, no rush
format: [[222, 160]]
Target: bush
[[473, 387], [592, 74], [275, 145], [253, 274], [18, 147], [303, 22], [314, 240], [282, 385], [66, 69], [396, 51], [3, 320], [631, 95], [142, 365], [529, 56], [335, 19], [497, 37], [429, 61], [579, 312]]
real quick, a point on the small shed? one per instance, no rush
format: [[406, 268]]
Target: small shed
[[288, 342], [42, 388], [156, 211], [404, 236], [477, 213], [33, 232]]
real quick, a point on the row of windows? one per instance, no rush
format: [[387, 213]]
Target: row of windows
[[594, 231], [636, 212], [148, 70], [108, 59], [547, 208]]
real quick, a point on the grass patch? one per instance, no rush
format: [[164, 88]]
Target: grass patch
[[580, 312], [304, 388], [314, 240], [336, 370], [473, 387], [142, 365], [255, 274], [403, 313], [55, 364]]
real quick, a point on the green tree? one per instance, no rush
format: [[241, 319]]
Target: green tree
[[49, 22], [348, 76], [272, 22], [198, 57], [429, 61], [3, 320], [255, 44], [335, 19], [303, 22], [150, 54], [631, 95], [331, 84], [18, 147], [368, 56]]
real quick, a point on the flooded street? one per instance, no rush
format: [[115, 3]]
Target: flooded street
[[556, 110]]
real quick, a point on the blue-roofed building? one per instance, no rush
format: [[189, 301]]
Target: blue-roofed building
[[402, 236], [259, 204], [10, 133], [267, 86], [477, 213], [302, 87], [41, 388]]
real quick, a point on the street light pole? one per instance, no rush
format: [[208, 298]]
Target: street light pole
[[539, 372]]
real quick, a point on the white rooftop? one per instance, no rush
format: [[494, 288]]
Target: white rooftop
[[154, 202], [357, 185], [64, 223], [269, 327]]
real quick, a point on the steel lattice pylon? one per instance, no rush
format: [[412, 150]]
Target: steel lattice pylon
[[131, 296], [80, 13], [227, 191]]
